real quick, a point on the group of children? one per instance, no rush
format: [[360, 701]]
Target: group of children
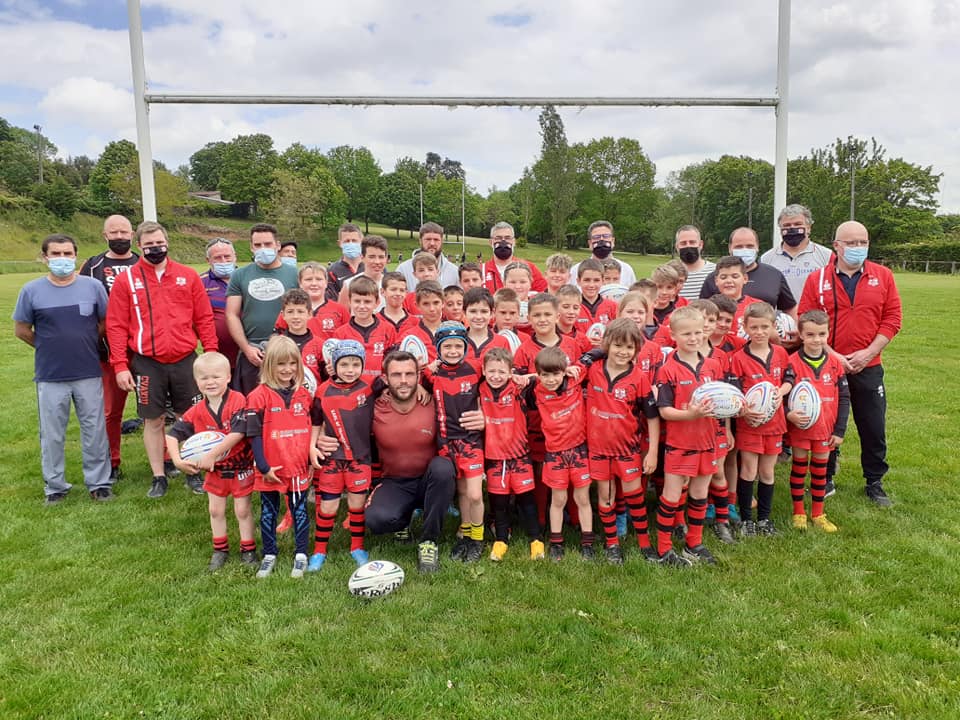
[[567, 407]]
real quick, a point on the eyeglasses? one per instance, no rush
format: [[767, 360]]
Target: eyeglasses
[[854, 243], [502, 238], [218, 241], [604, 236]]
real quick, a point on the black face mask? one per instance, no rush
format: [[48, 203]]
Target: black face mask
[[155, 255], [119, 247], [689, 255], [602, 250], [794, 236], [503, 251]]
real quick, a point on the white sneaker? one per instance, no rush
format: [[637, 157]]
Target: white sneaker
[[299, 565], [266, 566]]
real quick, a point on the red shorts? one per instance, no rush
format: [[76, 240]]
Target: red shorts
[[625, 468], [689, 463], [759, 444], [467, 457], [505, 476], [338, 475], [565, 468], [818, 447], [239, 484]]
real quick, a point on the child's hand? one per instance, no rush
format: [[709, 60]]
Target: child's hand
[[701, 409], [186, 467], [650, 461], [316, 456], [754, 419], [328, 366], [432, 367], [835, 442], [573, 371], [778, 401], [521, 380], [423, 397], [271, 476], [208, 459], [731, 441], [797, 418]]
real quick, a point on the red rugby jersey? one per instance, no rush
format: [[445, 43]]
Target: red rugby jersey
[[400, 326], [601, 310], [377, 340], [614, 408], [347, 412], [523, 360], [456, 389], [675, 383], [230, 418], [477, 351], [505, 411], [562, 414], [831, 384], [327, 318], [747, 370], [283, 424]]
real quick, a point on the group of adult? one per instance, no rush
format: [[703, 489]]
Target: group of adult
[[130, 321]]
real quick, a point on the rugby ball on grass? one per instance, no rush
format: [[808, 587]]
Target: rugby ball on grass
[[595, 332], [327, 350], [727, 400], [197, 445], [414, 345], [512, 339], [613, 291], [762, 398], [805, 400], [375, 579]]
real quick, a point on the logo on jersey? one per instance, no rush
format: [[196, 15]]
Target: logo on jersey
[[873, 282], [265, 289], [361, 400], [465, 387], [378, 348], [298, 408], [620, 393], [827, 378], [327, 323], [181, 281]]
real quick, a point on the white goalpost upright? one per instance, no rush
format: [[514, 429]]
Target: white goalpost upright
[[143, 99]]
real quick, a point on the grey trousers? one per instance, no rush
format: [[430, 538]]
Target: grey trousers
[[53, 403]]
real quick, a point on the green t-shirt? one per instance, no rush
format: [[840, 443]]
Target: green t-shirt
[[261, 290]]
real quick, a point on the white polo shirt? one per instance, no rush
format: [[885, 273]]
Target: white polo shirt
[[796, 269]]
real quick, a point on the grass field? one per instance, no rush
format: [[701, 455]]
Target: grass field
[[107, 610]]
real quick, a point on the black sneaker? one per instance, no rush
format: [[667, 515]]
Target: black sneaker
[[54, 498], [217, 560], [875, 492], [748, 528], [830, 490], [103, 494], [671, 559], [614, 554], [158, 488], [116, 474], [766, 527], [250, 557], [459, 551], [555, 552], [428, 557], [724, 533], [474, 551], [698, 554], [650, 555], [194, 483], [169, 469], [128, 427], [587, 552], [403, 536]]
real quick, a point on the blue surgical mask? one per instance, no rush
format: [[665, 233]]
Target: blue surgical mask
[[855, 256], [351, 250], [292, 262], [265, 256], [62, 267], [748, 255], [224, 270]]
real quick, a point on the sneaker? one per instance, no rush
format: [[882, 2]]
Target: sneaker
[[102, 494], [316, 562], [128, 427], [459, 551], [556, 552], [299, 565], [711, 517], [671, 559], [587, 552], [249, 557], [453, 511], [158, 488], [116, 475], [266, 566], [698, 554], [724, 533], [498, 551], [822, 523], [621, 525], [428, 557], [650, 555], [536, 550], [800, 521], [766, 527], [830, 490], [680, 532], [784, 457], [403, 536], [169, 469], [194, 483], [733, 513], [748, 529], [285, 523], [614, 554], [217, 560], [474, 551], [360, 556], [875, 492], [54, 498]]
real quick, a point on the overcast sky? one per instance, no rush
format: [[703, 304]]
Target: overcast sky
[[882, 68]]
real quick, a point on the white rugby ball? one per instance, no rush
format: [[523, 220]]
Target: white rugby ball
[[512, 338], [327, 350], [375, 579], [197, 445], [727, 400], [414, 345], [805, 399], [613, 291], [309, 380], [595, 331], [785, 325], [762, 398]]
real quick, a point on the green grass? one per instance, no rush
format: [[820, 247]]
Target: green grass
[[107, 611]]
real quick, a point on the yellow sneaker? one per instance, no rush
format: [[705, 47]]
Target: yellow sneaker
[[800, 521], [821, 522], [536, 550], [498, 551]]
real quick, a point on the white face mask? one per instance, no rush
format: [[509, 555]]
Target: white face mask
[[748, 255]]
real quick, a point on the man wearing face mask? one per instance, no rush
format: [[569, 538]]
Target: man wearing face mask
[[105, 267], [862, 302], [158, 311], [349, 237], [254, 297], [797, 256], [689, 246], [288, 253], [61, 315], [601, 240], [503, 241], [431, 241], [222, 258]]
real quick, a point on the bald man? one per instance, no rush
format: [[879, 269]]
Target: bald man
[[861, 299], [105, 267]]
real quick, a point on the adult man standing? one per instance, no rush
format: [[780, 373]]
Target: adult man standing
[[861, 299], [689, 247], [61, 316], [253, 303], [222, 258], [797, 256], [158, 311], [601, 240], [431, 241], [503, 241], [105, 267], [349, 237]]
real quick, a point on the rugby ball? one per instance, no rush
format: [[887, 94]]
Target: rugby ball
[[785, 325], [512, 338], [805, 399], [524, 311], [197, 445], [613, 291], [327, 350], [375, 579], [414, 345], [595, 332], [727, 400], [762, 398], [309, 380]]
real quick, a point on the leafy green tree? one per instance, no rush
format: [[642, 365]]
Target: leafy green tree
[[58, 196], [498, 206], [170, 190], [206, 164], [357, 172], [412, 168], [116, 159], [302, 160], [18, 167], [300, 203], [247, 170], [556, 174], [397, 202]]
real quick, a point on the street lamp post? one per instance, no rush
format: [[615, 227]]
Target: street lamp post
[[39, 153]]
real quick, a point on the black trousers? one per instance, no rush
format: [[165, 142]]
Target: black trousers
[[393, 501], [868, 401]]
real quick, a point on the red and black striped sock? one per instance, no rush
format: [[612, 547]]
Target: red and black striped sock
[[798, 476], [556, 538], [221, 544], [679, 519], [718, 496], [324, 527], [587, 538], [608, 518], [248, 545], [818, 486], [665, 514], [696, 512], [620, 503], [356, 528], [637, 505]]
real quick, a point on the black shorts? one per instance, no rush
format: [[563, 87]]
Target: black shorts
[[157, 382]]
